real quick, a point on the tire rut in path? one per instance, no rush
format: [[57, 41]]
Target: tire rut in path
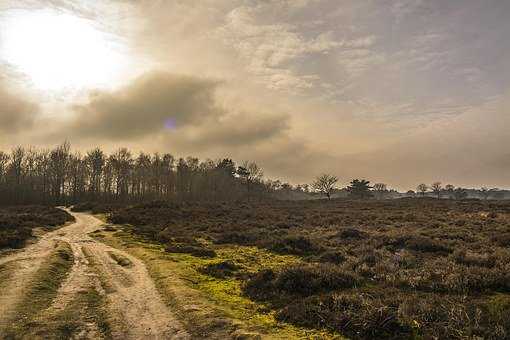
[[135, 308]]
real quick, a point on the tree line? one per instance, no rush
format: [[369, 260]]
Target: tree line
[[60, 176], [325, 184], [450, 191]]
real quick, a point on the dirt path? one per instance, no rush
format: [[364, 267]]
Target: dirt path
[[135, 308]]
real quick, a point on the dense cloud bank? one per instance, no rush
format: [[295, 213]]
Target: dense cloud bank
[[16, 113], [176, 110], [400, 93]]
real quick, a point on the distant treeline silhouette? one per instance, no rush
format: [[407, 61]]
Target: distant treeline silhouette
[[59, 176]]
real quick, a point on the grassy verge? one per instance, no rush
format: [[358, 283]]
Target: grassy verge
[[41, 291], [213, 307], [6, 270], [83, 317]]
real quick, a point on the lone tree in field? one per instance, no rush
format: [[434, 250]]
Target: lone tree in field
[[325, 184], [359, 189], [436, 189], [380, 189], [422, 189]]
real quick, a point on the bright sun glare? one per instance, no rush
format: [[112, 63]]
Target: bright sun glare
[[59, 51]]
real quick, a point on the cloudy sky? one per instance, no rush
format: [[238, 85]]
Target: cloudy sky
[[400, 91]]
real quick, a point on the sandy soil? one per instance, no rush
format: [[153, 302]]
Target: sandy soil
[[135, 308]]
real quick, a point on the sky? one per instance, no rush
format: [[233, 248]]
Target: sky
[[400, 92]]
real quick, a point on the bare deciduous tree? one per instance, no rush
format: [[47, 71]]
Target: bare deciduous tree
[[95, 161], [380, 189], [325, 184], [422, 189], [437, 188], [58, 176]]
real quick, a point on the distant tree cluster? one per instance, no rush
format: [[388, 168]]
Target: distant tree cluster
[[59, 176], [358, 189], [451, 192], [361, 189]]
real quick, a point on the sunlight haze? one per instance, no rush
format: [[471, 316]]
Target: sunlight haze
[[397, 91], [59, 51]]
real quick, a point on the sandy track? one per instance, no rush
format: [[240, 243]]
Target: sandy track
[[135, 308]]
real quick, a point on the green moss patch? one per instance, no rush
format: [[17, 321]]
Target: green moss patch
[[211, 306]]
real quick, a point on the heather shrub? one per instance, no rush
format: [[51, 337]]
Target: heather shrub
[[403, 268], [473, 259], [296, 245], [301, 280], [426, 245], [246, 238], [357, 316], [351, 233], [336, 257], [502, 240], [220, 270], [195, 250], [17, 223]]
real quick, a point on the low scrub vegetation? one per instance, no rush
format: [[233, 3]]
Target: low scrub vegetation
[[94, 207], [379, 269], [220, 270], [301, 280], [17, 223]]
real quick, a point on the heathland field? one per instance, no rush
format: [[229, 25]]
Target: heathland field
[[415, 268], [363, 269]]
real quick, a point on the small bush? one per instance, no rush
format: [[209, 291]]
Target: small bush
[[336, 257], [357, 316], [16, 223], [351, 233], [299, 245], [95, 207], [426, 245], [301, 280], [14, 238], [502, 240], [220, 270], [81, 207], [198, 251], [371, 258], [236, 238], [473, 259]]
